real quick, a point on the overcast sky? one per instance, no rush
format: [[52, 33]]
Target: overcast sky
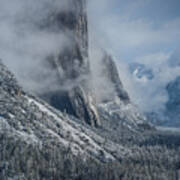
[[145, 31], [134, 28]]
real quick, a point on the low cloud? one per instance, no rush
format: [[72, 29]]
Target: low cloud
[[128, 35], [102, 87], [132, 33], [151, 95], [25, 44], [123, 32]]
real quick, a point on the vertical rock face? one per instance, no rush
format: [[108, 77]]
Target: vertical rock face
[[74, 58], [72, 64], [75, 94], [65, 75]]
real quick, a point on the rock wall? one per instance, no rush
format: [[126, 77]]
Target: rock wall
[[112, 74], [72, 66]]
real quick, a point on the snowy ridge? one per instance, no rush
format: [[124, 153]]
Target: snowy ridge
[[128, 114], [88, 141], [51, 125]]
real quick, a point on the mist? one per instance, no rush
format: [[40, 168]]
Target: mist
[[132, 33], [24, 44], [102, 87], [126, 30], [151, 94]]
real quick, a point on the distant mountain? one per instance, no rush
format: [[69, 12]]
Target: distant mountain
[[27, 120], [73, 73], [141, 72], [171, 115]]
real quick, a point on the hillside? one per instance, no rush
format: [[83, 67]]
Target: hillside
[[64, 118]]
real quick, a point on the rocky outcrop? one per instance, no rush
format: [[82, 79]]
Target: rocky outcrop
[[72, 65], [170, 114], [27, 120], [39, 142], [110, 70], [64, 75]]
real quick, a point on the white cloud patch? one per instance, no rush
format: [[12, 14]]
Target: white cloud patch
[[152, 94]]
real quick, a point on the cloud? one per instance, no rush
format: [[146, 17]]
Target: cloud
[[24, 44], [102, 87], [139, 31], [125, 32], [151, 95], [116, 25]]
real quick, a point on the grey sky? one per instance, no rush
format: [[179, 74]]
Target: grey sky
[[152, 9], [147, 31], [136, 27], [144, 31]]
